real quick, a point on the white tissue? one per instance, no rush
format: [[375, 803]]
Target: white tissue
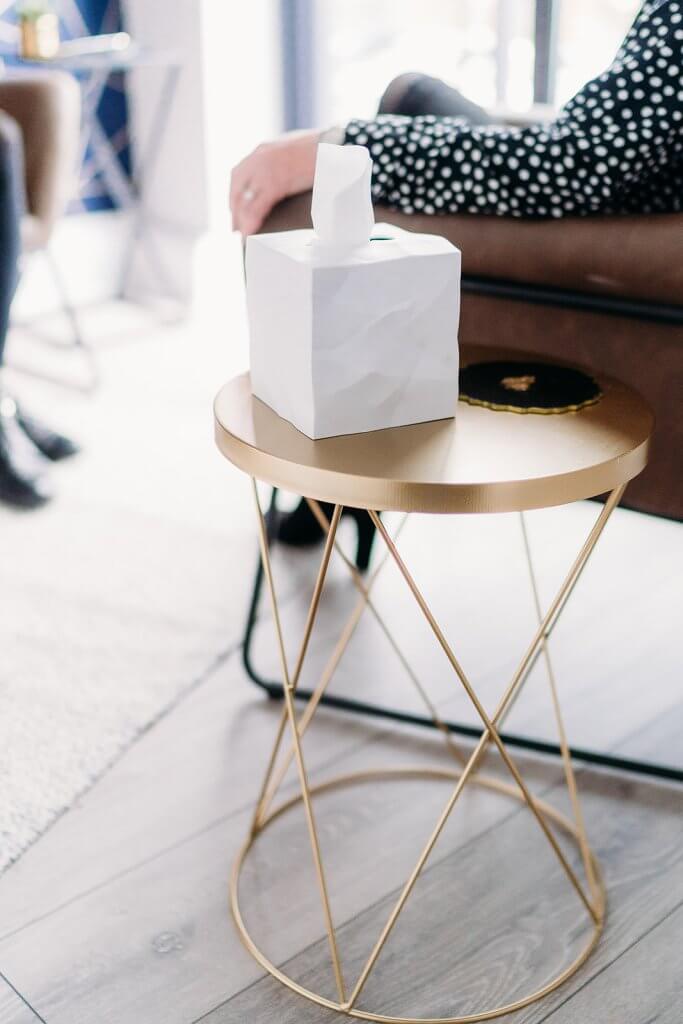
[[341, 209]]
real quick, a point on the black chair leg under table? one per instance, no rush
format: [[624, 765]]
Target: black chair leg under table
[[274, 690]]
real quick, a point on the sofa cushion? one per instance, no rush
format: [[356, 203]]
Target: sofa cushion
[[635, 257]]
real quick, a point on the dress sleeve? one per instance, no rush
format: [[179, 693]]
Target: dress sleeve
[[617, 131]]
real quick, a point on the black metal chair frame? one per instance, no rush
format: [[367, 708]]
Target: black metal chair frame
[[502, 289]]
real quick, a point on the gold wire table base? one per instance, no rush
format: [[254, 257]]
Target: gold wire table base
[[586, 883], [549, 813]]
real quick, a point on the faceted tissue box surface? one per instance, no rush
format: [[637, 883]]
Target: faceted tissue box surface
[[346, 341]]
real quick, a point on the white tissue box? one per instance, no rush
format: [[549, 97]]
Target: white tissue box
[[359, 341]]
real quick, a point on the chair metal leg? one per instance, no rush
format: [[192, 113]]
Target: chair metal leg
[[67, 306], [275, 691], [77, 339]]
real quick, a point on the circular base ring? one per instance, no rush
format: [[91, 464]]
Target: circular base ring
[[434, 774]]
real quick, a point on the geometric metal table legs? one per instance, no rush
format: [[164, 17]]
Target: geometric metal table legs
[[586, 883], [274, 690]]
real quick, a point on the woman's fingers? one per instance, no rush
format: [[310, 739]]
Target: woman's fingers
[[253, 212], [274, 170], [252, 203], [251, 195], [238, 184], [241, 182]]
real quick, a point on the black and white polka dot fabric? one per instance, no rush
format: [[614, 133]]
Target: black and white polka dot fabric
[[616, 147]]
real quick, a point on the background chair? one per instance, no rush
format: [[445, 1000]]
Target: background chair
[[46, 107]]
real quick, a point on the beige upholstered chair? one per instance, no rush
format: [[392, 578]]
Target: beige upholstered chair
[[45, 107]]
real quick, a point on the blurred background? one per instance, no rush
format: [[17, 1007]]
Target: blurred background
[[500, 52]]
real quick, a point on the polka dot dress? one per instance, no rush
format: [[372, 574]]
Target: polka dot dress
[[616, 147]]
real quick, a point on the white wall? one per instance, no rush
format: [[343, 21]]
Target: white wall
[[242, 86], [228, 99]]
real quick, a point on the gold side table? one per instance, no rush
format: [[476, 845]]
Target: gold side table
[[483, 461]]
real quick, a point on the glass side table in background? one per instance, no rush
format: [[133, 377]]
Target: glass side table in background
[[93, 72]]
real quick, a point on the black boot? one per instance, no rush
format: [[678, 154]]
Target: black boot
[[300, 529], [23, 481], [54, 446]]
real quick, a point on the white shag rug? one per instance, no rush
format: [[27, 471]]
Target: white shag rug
[[120, 595]]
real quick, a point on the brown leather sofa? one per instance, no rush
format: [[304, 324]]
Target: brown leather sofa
[[605, 293]]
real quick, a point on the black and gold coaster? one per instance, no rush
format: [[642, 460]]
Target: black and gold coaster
[[522, 386]]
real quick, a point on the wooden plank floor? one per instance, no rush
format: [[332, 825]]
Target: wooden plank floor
[[118, 915], [13, 1009], [525, 923]]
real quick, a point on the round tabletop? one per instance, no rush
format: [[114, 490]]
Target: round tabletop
[[483, 460]]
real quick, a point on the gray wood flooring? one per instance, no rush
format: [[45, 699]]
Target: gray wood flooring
[[13, 1009], [118, 915], [527, 921]]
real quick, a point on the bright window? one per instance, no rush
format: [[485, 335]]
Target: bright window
[[589, 34], [486, 48]]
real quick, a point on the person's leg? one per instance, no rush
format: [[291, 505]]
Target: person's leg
[[12, 208], [12, 205], [413, 94], [22, 468]]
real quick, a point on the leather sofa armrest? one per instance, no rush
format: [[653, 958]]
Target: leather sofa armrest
[[632, 257]]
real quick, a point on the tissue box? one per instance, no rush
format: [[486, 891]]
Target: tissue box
[[358, 340]]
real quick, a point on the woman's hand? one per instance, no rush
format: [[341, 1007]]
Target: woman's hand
[[273, 171]]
